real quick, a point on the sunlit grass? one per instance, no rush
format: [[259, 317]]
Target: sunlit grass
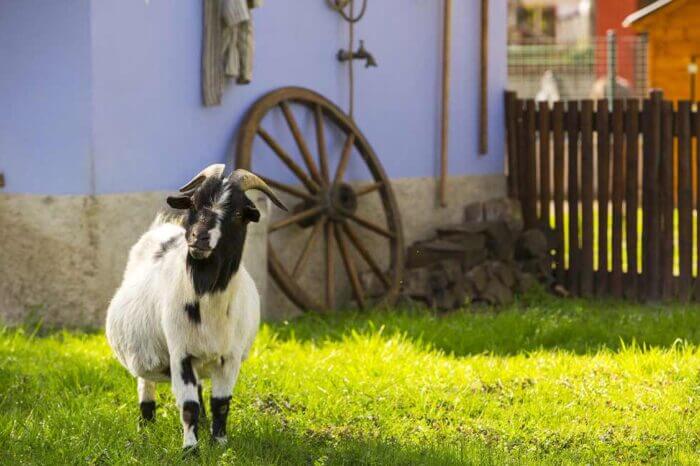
[[545, 381]]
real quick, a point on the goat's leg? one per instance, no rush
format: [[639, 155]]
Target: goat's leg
[[184, 383], [223, 379], [200, 397], [147, 399]]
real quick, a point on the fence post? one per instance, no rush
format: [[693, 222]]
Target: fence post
[[527, 163], [666, 200], [632, 195], [650, 198], [685, 200], [611, 44], [572, 123], [643, 55], [511, 99], [586, 168]]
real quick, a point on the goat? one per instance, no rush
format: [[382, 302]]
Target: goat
[[186, 308]]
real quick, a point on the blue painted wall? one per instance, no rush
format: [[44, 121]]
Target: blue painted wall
[[45, 75], [123, 75]]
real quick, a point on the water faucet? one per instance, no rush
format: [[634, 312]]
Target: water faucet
[[361, 54]]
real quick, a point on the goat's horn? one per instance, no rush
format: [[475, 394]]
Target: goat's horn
[[247, 180], [216, 170]]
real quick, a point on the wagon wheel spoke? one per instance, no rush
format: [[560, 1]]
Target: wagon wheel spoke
[[370, 188], [371, 226], [321, 142], [298, 217], [365, 255], [301, 142], [330, 267], [282, 154], [288, 189], [344, 158], [306, 252], [350, 268]]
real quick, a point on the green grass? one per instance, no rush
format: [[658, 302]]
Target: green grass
[[544, 381]]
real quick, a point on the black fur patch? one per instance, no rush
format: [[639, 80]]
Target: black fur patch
[[201, 401], [190, 415], [187, 373], [165, 247], [148, 410], [192, 310], [219, 413]]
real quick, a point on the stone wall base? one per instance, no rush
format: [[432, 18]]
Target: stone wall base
[[63, 257]]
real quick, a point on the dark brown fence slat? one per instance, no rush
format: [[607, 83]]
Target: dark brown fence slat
[[573, 197], [666, 200], [651, 198], [545, 170], [529, 165], [645, 291], [512, 144], [602, 128], [618, 194], [685, 201], [696, 123], [631, 195], [522, 151], [587, 197], [559, 174]]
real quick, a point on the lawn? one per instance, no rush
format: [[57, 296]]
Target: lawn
[[543, 381]]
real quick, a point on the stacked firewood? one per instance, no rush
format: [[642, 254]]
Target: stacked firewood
[[488, 258]]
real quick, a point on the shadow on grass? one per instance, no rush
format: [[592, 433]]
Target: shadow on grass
[[269, 444], [536, 321], [66, 434]]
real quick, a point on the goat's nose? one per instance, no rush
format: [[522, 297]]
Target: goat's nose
[[200, 240]]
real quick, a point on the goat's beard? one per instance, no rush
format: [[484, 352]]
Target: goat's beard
[[199, 254]]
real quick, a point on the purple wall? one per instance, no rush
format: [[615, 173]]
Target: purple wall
[[45, 96], [148, 130]]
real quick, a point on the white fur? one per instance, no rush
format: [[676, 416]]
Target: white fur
[[149, 330]]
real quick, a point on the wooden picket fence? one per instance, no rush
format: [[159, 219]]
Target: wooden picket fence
[[616, 186]]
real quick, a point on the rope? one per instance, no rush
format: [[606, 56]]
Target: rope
[[339, 8], [351, 68]]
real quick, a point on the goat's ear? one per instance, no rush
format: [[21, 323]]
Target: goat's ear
[[251, 213], [179, 202]]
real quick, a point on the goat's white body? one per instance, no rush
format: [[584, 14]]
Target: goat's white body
[[146, 316], [148, 327]]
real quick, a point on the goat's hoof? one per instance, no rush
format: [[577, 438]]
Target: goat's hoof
[[220, 440], [148, 412], [190, 451]]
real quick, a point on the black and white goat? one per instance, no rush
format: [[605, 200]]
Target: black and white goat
[[187, 308]]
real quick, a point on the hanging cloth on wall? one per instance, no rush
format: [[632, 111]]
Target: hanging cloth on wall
[[228, 46]]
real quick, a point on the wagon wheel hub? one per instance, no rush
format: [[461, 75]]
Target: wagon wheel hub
[[341, 201], [327, 206]]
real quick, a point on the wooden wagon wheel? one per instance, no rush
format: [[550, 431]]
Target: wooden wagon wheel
[[325, 202]]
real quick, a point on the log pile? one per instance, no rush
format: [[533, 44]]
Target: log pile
[[488, 258]]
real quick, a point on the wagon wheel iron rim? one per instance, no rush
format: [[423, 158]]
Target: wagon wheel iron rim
[[327, 204]]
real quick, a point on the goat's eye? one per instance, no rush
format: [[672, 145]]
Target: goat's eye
[[237, 214]]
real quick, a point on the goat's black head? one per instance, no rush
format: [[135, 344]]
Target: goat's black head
[[218, 207]]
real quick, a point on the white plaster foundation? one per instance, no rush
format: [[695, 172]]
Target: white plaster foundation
[[62, 257]]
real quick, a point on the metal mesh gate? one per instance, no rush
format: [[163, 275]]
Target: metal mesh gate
[[549, 71]]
